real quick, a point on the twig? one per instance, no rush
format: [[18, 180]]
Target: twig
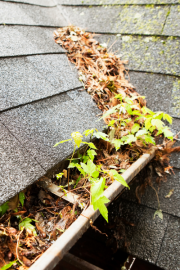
[[96, 229], [87, 190], [156, 196], [17, 248]]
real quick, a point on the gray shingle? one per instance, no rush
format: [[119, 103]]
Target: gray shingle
[[17, 168], [119, 19], [154, 87], [143, 234], [175, 158], [13, 13], [23, 40], [40, 125], [172, 26], [46, 3], [175, 99], [169, 205], [124, 218], [152, 54], [148, 236], [57, 70], [169, 255], [27, 79]]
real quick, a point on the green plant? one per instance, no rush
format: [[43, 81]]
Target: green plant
[[93, 174], [140, 124], [7, 266], [26, 223], [3, 208], [21, 198]]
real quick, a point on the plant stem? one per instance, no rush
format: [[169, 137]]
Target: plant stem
[[156, 196], [70, 163]]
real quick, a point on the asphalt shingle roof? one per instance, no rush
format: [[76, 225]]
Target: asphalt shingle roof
[[41, 101]]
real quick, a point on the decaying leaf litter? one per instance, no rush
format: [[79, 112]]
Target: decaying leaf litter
[[31, 225], [32, 220]]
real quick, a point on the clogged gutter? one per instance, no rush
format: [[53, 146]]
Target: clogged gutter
[[132, 128], [32, 220]]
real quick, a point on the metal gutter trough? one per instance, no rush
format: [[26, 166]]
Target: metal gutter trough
[[64, 243]]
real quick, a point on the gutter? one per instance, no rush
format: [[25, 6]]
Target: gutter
[[63, 244]]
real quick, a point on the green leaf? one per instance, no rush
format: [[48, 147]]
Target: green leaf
[[3, 208], [21, 198], [119, 96], [91, 153], [146, 110], [148, 123], [119, 178], [77, 181], [91, 145], [167, 117], [88, 131], [59, 176], [135, 112], [158, 123], [89, 168], [85, 159], [97, 189], [111, 111], [128, 139], [78, 166], [65, 191], [151, 129], [122, 170], [26, 223], [101, 135], [117, 143], [62, 142], [167, 133], [140, 117], [95, 174], [7, 266], [135, 128], [149, 139], [128, 100], [111, 123], [141, 132], [77, 137], [72, 165], [159, 214], [111, 134], [128, 109], [100, 204], [158, 115]]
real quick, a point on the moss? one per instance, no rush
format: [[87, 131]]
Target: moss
[[176, 97], [149, 6]]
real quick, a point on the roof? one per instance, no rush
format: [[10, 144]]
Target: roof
[[147, 33], [41, 98], [41, 101]]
